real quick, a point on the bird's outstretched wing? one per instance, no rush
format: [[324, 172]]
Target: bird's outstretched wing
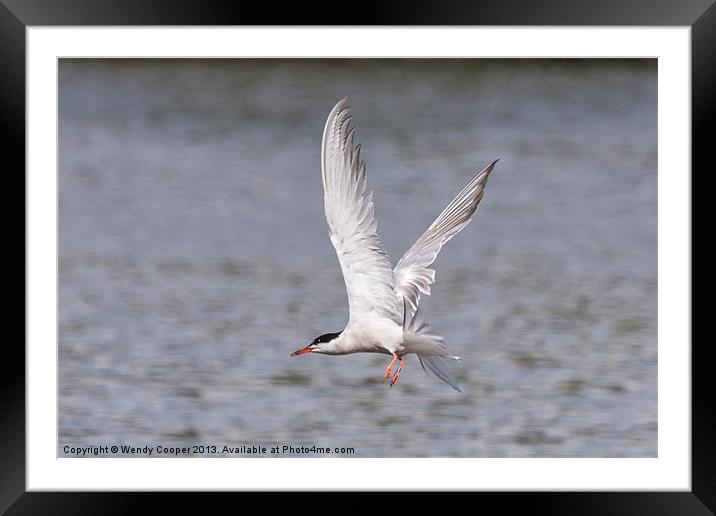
[[351, 221], [412, 275]]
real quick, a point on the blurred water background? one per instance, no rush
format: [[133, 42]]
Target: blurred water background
[[194, 256]]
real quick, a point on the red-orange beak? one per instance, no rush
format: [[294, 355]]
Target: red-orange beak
[[301, 351]]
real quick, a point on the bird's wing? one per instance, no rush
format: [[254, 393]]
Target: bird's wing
[[351, 221], [412, 275]]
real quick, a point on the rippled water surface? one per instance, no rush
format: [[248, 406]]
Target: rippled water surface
[[194, 255]]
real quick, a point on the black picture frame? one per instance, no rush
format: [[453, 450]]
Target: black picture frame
[[17, 15]]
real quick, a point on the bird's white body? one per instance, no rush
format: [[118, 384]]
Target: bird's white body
[[383, 300], [372, 335]]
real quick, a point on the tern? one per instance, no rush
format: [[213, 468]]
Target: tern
[[383, 300]]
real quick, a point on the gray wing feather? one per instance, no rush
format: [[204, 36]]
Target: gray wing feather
[[412, 274], [353, 228]]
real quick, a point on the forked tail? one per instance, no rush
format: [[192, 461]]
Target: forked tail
[[431, 349]]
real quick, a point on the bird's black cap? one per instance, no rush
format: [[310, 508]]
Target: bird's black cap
[[326, 337]]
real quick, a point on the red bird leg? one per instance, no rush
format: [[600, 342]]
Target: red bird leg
[[390, 367], [397, 373]]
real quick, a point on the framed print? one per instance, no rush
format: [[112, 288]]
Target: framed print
[[187, 271]]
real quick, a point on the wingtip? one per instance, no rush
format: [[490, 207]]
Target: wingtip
[[485, 172], [488, 169], [341, 104]]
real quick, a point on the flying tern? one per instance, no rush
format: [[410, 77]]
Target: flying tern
[[382, 300]]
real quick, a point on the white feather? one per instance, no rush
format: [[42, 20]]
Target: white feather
[[353, 228], [412, 274]]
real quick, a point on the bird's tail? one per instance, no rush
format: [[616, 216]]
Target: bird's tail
[[431, 349], [438, 366]]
